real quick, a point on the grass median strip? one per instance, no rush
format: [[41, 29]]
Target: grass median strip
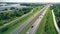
[[28, 26], [39, 29], [47, 26], [13, 25]]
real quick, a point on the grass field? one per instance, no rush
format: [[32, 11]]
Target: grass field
[[13, 25], [47, 26]]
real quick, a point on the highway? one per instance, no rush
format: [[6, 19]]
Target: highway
[[35, 25], [19, 28]]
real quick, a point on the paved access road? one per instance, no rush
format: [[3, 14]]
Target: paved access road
[[55, 23], [35, 25]]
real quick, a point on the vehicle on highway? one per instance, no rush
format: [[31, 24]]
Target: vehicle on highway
[[32, 26]]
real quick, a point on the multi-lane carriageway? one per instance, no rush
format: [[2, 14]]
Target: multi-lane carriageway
[[35, 24]]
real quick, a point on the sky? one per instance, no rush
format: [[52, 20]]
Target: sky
[[32, 1]]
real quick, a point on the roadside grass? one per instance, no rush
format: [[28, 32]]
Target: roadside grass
[[40, 27], [4, 21], [47, 26], [15, 24], [7, 16], [29, 25]]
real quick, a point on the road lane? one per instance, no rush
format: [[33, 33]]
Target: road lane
[[19, 28], [37, 22]]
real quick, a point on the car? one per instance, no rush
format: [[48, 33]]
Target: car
[[32, 26]]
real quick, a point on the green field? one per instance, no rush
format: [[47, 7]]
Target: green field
[[47, 25]]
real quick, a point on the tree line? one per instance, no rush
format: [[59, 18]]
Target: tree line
[[12, 14]]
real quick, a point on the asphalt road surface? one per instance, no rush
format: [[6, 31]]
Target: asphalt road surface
[[55, 23], [19, 28], [34, 27]]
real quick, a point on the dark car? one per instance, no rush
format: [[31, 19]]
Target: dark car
[[32, 26]]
